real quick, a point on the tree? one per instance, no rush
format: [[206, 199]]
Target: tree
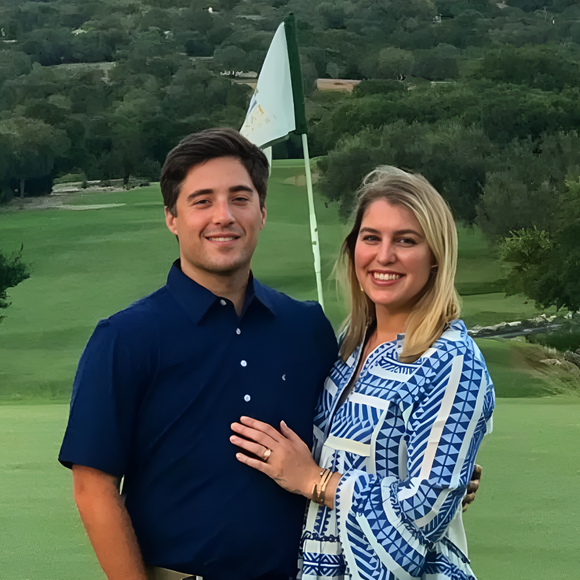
[[33, 147], [548, 68], [525, 182], [452, 157], [391, 63], [12, 271], [13, 63], [545, 265]]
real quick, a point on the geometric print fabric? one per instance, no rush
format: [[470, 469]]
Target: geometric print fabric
[[405, 441]]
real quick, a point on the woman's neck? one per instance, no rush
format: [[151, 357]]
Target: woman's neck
[[389, 325]]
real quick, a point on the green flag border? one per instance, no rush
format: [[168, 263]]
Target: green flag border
[[295, 74]]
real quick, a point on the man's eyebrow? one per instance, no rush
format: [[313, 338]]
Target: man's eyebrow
[[241, 187], [209, 191]]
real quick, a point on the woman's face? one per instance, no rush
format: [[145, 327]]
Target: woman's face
[[392, 259]]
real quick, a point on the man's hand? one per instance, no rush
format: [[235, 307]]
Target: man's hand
[[108, 524], [472, 486]]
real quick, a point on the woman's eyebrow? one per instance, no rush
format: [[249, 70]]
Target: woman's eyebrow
[[397, 233]]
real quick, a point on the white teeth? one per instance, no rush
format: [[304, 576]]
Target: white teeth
[[379, 276], [222, 239]]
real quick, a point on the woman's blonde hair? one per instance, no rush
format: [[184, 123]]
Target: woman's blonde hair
[[438, 303]]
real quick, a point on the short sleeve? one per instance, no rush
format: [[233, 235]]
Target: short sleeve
[[104, 402]]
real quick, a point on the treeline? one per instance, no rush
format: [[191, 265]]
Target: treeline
[[104, 89]]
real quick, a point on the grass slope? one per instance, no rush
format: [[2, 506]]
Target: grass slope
[[89, 264]]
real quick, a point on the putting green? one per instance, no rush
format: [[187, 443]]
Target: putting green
[[40, 532]]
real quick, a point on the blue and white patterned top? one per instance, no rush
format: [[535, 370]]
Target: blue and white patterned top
[[405, 440]]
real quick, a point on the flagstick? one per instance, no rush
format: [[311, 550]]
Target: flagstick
[[313, 224]]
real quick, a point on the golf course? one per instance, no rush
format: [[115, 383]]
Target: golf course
[[93, 253]]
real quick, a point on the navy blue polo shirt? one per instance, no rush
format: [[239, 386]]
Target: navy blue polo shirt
[[156, 390]]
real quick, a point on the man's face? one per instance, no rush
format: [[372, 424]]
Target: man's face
[[217, 221]]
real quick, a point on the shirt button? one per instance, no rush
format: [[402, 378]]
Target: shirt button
[[222, 302], [247, 398], [244, 363], [238, 331]]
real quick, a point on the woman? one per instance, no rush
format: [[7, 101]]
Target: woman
[[405, 407]]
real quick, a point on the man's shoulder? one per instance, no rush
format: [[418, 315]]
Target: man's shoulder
[[145, 313], [301, 322], [284, 304]]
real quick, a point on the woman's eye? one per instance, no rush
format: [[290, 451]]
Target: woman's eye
[[407, 241]]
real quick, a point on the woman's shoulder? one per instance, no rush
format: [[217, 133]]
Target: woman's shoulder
[[454, 346], [455, 340]]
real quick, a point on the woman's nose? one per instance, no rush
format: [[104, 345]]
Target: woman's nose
[[386, 253]]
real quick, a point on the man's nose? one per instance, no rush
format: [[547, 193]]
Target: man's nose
[[223, 213]]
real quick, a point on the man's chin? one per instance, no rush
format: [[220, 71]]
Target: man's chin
[[226, 268]]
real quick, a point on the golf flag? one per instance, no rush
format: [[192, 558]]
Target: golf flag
[[277, 109], [277, 105]]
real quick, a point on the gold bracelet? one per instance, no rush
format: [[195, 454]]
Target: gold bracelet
[[319, 489]]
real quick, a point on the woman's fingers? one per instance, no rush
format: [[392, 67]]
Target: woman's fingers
[[281, 455], [254, 435], [289, 434], [255, 463], [261, 426], [257, 449]]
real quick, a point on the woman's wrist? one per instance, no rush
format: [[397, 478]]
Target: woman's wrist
[[323, 488]]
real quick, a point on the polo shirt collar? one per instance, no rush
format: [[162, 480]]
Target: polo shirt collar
[[197, 300]]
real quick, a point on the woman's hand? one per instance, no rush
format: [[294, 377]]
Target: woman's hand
[[289, 462]]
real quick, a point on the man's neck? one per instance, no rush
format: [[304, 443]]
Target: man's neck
[[231, 286]]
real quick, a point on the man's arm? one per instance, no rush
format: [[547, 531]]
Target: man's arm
[[107, 523], [472, 486]]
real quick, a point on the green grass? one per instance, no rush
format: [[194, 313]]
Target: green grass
[[524, 523], [517, 370], [41, 535], [89, 264]]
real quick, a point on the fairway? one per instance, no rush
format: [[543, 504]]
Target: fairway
[[104, 250]]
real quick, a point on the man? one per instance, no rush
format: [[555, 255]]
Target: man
[[160, 382]]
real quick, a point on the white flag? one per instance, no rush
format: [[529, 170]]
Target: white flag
[[270, 115]]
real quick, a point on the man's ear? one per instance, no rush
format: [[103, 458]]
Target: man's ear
[[171, 220], [264, 213]]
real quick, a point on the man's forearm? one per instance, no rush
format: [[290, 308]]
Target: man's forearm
[[108, 524]]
